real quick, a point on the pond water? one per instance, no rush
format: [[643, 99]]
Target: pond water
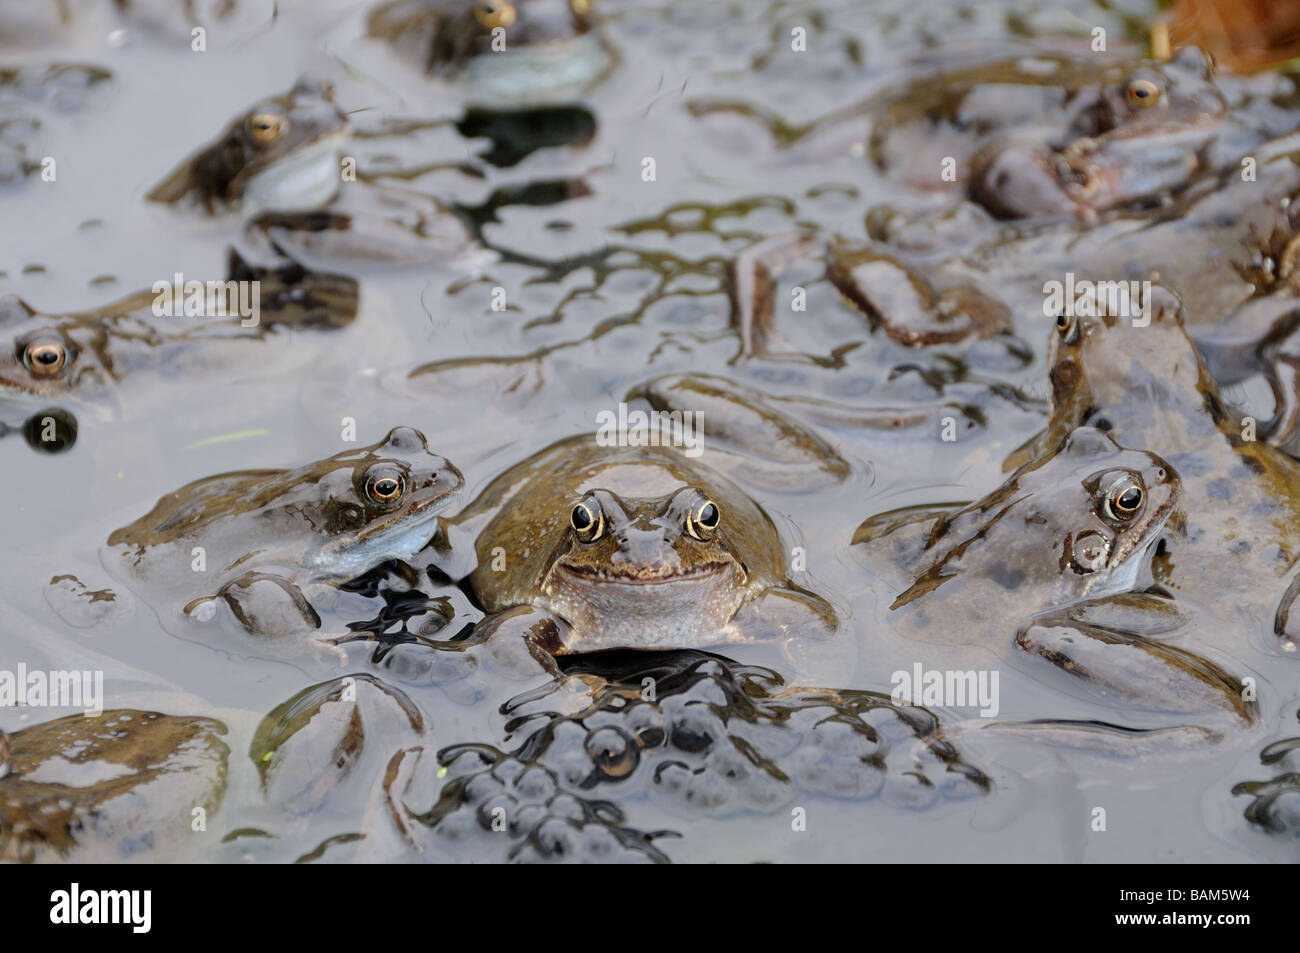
[[605, 223]]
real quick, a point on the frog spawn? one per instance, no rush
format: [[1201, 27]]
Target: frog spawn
[[720, 739]]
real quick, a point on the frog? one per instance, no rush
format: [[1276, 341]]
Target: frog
[[278, 166], [506, 50], [1272, 802], [583, 548], [266, 544], [87, 358], [120, 786], [1059, 134], [324, 758], [1228, 243], [1050, 572], [1148, 131], [282, 153], [1240, 518]]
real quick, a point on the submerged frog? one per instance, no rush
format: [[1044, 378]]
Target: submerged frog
[[1050, 135], [508, 49], [1045, 567], [83, 357], [1143, 382], [283, 153], [1147, 131], [1230, 244], [279, 164], [583, 548], [262, 542], [121, 786]]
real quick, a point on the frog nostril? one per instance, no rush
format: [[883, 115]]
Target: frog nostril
[[1160, 473]]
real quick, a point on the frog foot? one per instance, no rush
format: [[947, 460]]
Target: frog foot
[[1107, 646], [263, 603], [753, 290]]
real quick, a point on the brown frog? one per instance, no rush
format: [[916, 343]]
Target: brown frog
[[1045, 570], [1140, 379], [261, 543], [280, 165], [85, 357], [584, 547]]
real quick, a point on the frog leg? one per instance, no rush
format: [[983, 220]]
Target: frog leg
[[803, 627], [765, 441], [264, 604], [753, 289], [1021, 177], [1286, 622], [521, 643], [1108, 645], [1109, 740], [1283, 429]]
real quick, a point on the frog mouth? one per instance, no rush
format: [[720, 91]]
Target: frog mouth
[[645, 575]]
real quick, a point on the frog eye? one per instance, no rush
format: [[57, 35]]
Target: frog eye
[[1123, 499], [385, 488], [267, 127], [1142, 93], [587, 521], [1068, 327], [703, 520], [580, 7], [45, 358], [494, 13]]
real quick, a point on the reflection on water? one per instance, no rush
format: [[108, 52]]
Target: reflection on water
[[738, 211]]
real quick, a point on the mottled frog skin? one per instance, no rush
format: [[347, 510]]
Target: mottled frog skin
[[583, 548], [121, 786], [84, 357], [1054, 134], [1145, 384], [1046, 568], [279, 165], [269, 537]]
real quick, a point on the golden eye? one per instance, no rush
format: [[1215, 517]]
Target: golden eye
[[385, 489], [45, 358], [494, 13], [267, 127], [580, 7], [1142, 93], [1068, 327], [703, 520], [587, 521], [1123, 500]]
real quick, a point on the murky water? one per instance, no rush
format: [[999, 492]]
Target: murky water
[[610, 279]]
